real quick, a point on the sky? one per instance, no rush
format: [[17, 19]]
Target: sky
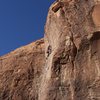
[[21, 22]]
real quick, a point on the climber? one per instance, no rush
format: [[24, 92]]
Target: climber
[[49, 50]]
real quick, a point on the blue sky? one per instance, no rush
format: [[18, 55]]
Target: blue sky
[[21, 22]]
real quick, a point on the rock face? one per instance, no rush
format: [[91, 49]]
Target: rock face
[[66, 66], [20, 72], [72, 39]]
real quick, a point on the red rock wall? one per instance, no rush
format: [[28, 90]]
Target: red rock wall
[[72, 69], [63, 66]]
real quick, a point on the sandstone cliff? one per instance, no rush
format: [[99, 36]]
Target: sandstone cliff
[[66, 66], [72, 40], [20, 72]]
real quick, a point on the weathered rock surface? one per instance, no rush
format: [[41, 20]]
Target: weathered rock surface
[[70, 69], [20, 72], [72, 39]]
